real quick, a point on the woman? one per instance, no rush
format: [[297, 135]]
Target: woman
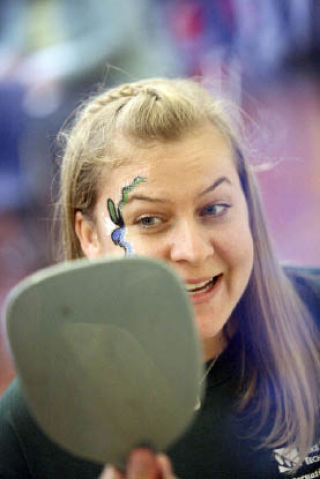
[[156, 168]]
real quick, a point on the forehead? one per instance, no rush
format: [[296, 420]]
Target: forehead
[[189, 163]]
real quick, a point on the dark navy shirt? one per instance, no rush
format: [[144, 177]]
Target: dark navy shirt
[[214, 447]]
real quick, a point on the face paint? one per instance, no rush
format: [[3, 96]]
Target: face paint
[[115, 213]]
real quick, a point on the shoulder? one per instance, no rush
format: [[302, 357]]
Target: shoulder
[[306, 281], [14, 419], [12, 403], [25, 451]]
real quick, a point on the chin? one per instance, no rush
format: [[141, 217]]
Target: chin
[[207, 330]]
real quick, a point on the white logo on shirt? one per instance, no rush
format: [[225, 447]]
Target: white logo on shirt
[[288, 459]]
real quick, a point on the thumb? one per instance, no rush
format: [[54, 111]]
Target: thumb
[[165, 467]]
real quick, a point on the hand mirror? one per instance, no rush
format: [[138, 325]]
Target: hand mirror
[[107, 353]]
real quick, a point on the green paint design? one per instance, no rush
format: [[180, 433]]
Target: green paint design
[[127, 189], [115, 214]]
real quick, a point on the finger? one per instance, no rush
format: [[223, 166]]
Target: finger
[[165, 467], [142, 464], [110, 472]]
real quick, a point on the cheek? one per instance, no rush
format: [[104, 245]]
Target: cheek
[[125, 241], [105, 229], [146, 245], [236, 247]]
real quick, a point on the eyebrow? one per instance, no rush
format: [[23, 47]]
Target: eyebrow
[[210, 188], [146, 198], [215, 185]]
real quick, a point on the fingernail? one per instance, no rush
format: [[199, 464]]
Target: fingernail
[[165, 465], [107, 473]]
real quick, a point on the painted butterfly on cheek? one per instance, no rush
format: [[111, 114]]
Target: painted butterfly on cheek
[[118, 234]]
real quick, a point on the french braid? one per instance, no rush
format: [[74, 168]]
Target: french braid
[[124, 92]]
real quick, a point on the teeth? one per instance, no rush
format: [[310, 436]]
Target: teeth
[[200, 287]]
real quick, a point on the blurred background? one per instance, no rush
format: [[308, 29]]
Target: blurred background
[[265, 54]]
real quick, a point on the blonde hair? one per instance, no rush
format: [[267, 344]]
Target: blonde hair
[[279, 351]]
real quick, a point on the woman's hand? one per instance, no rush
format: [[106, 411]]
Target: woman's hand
[[142, 464]]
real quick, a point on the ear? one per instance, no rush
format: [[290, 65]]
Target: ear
[[87, 236]]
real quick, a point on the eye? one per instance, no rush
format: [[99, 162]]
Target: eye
[[148, 221], [214, 209]]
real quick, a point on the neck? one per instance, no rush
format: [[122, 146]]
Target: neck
[[214, 346]]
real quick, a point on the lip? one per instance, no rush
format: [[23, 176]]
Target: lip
[[200, 298]]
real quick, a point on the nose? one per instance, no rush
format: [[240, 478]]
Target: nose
[[190, 243]]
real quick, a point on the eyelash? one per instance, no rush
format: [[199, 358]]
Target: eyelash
[[140, 220], [224, 206]]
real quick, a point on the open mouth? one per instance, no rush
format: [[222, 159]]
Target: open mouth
[[203, 287]]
